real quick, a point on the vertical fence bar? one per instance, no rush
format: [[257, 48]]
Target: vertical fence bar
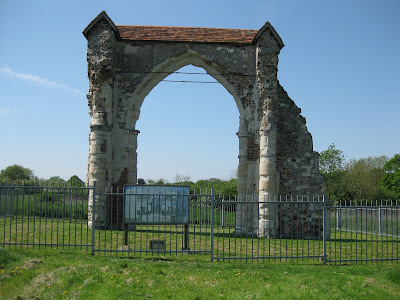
[[392, 223], [212, 226], [4, 213], [380, 221], [397, 228], [223, 212], [387, 238], [93, 215], [29, 212], [367, 230], [324, 227]]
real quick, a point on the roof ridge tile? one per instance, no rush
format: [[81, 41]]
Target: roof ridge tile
[[186, 34]]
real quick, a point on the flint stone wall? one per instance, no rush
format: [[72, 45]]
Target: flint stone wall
[[302, 221], [275, 148]]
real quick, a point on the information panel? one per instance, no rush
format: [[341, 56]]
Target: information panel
[[156, 204]]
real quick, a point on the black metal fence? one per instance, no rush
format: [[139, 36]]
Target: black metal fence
[[153, 232], [302, 229], [44, 215], [365, 231]]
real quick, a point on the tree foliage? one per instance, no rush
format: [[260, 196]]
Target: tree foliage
[[160, 181], [331, 161], [391, 176], [361, 181], [364, 179], [75, 181], [141, 181], [222, 188], [16, 172], [181, 178], [331, 165], [56, 181]]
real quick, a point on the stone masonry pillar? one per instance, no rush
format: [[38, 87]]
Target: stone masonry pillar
[[241, 211], [268, 184], [268, 48], [101, 46]]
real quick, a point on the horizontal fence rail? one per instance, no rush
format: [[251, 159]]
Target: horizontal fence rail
[[198, 223]]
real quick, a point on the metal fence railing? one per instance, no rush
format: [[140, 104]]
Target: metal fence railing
[[294, 233], [44, 215], [284, 229], [378, 218], [149, 229], [365, 232]]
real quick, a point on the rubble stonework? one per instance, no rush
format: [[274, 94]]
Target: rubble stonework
[[126, 62]]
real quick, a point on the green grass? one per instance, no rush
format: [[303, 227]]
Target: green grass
[[53, 274], [60, 233]]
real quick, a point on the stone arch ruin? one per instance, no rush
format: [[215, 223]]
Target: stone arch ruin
[[126, 62]]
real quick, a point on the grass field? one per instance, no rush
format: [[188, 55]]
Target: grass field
[[72, 274], [61, 234]]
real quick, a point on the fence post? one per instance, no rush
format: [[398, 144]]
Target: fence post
[[223, 212], [70, 205], [324, 220], [12, 201], [93, 215], [338, 216], [212, 226]]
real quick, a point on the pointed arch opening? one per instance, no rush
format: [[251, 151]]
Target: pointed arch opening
[[187, 128], [173, 64]]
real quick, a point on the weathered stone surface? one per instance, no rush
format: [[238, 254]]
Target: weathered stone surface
[[275, 149]]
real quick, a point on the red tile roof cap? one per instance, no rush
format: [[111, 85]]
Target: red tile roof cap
[[186, 34], [183, 34]]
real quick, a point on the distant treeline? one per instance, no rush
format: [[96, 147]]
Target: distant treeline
[[226, 188], [364, 179]]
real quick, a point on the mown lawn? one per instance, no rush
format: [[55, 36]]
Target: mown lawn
[[343, 247], [74, 274]]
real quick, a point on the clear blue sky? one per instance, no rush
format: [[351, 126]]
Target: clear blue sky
[[340, 65]]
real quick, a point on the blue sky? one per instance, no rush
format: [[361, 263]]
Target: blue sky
[[340, 65]]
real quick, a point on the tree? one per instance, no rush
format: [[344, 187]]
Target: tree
[[331, 160], [56, 181], [391, 176], [75, 181], [141, 181], [161, 181], [362, 178], [179, 178], [16, 172], [222, 188], [331, 165]]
